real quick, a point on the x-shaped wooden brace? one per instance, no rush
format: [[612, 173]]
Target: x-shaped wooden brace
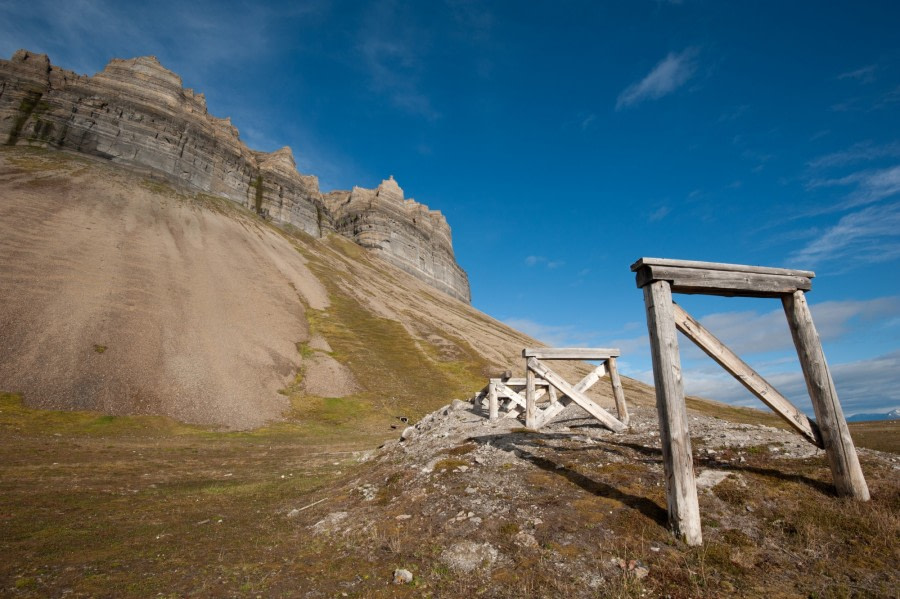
[[536, 418]]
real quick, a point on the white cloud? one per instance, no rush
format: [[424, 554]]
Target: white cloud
[[871, 186], [871, 385], [859, 152], [863, 75], [659, 214], [869, 236], [552, 335], [543, 260], [392, 56], [669, 74], [752, 332]]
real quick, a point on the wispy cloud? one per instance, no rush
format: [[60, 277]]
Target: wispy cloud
[[869, 186], [552, 335], [659, 214], [871, 385], [869, 236], [543, 261], [863, 75], [668, 75], [859, 152], [752, 332], [392, 57]]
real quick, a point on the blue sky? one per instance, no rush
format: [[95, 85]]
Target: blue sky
[[564, 140]]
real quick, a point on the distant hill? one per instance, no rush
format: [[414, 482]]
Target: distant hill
[[892, 415]]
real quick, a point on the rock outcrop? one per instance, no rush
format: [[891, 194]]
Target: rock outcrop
[[136, 112]]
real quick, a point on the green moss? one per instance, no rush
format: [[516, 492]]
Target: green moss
[[26, 107], [258, 184], [99, 348]]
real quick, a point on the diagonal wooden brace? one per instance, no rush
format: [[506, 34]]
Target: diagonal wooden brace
[[745, 375], [607, 419]]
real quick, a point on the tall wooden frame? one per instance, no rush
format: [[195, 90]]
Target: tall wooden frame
[[660, 278]]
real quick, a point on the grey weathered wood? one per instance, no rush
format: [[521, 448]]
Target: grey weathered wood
[[493, 403], [553, 397], [681, 488], [842, 458], [550, 412], [570, 353], [763, 270], [722, 282], [516, 397], [520, 382], [607, 419], [745, 375], [618, 393], [530, 399]]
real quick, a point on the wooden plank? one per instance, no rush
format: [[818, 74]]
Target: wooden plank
[[681, 488], [520, 382], [607, 419], [570, 353], [842, 458], [721, 282], [504, 391], [518, 404], [745, 375], [549, 413], [618, 392], [553, 397], [530, 399], [763, 270]]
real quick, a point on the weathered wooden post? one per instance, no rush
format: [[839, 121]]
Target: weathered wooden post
[[618, 393], [530, 400], [681, 487], [493, 404], [842, 458]]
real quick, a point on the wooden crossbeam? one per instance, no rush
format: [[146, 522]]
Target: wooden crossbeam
[[713, 278], [534, 365], [745, 375], [518, 382], [570, 353]]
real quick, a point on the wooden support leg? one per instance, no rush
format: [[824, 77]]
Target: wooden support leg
[[621, 408], [681, 488], [530, 399], [842, 458], [493, 403]]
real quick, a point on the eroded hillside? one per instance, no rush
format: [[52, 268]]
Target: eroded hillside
[[125, 295]]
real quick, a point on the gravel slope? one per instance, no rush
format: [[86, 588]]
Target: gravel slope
[[120, 296]]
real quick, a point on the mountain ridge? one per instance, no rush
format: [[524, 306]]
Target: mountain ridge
[[137, 112]]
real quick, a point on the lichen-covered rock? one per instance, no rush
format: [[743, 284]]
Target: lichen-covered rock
[[137, 112]]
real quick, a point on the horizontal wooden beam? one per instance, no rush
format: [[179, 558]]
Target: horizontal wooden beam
[[761, 270], [747, 283], [570, 353], [519, 382], [746, 376]]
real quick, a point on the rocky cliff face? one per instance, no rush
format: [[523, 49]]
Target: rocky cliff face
[[383, 220], [136, 112]]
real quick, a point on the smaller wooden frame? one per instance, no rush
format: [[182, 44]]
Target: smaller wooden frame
[[535, 418]]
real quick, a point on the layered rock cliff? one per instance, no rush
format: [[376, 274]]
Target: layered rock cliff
[[136, 112]]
